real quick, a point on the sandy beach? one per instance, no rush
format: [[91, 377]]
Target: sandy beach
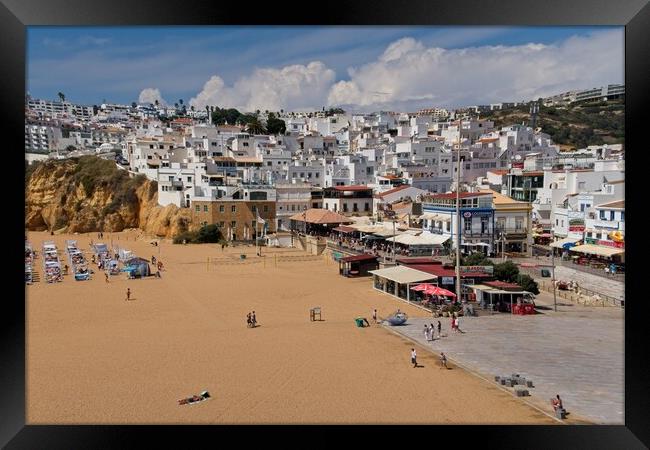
[[93, 357]]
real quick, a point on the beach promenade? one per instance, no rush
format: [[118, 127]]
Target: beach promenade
[[577, 352], [93, 357]]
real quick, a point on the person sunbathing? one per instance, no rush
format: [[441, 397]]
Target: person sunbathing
[[195, 398]]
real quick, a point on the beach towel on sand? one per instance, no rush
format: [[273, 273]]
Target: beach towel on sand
[[205, 395]]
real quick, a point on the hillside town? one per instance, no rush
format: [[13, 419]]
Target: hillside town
[[390, 174]]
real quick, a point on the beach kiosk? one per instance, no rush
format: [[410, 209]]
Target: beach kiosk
[[504, 297], [358, 265], [137, 267], [397, 280]]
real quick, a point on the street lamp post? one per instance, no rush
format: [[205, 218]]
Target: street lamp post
[[458, 293]]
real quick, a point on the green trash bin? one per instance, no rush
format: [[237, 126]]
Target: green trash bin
[[242, 256], [359, 322]]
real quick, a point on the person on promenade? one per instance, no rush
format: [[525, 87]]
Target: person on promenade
[[414, 358], [426, 332], [557, 403], [457, 324], [453, 323], [443, 360], [432, 330], [153, 260], [374, 315], [439, 329], [128, 294]]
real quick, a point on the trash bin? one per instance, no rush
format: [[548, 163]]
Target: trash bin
[[242, 256], [359, 322], [546, 273]]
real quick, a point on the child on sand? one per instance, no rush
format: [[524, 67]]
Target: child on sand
[[414, 358], [128, 294], [443, 360]]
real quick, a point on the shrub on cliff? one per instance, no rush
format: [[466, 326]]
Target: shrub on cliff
[[206, 234]]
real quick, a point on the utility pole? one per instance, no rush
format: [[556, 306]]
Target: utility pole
[[553, 272], [458, 292]]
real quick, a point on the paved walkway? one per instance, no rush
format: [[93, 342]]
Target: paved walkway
[[579, 356]]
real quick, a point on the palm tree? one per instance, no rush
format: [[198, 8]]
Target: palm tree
[[61, 96], [255, 127], [180, 101]]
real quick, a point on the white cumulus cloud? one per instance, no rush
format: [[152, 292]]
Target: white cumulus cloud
[[150, 95], [292, 87], [410, 74]]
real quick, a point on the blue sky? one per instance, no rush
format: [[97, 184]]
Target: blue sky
[[90, 64]]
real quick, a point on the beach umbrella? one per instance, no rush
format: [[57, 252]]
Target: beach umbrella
[[435, 290], [423, 287]]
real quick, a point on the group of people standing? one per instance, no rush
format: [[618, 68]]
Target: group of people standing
[[430, 331]]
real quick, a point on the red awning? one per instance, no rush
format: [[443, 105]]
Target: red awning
[[364, 257]]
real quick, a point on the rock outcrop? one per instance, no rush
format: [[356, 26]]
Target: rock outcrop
[[66, 195]]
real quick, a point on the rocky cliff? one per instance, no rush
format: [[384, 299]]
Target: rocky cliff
[[89, 194]]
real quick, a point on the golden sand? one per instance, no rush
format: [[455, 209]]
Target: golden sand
[[93, 357]]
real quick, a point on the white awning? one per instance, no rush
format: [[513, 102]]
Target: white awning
[[423, 239], [599, 250], [403, 274]]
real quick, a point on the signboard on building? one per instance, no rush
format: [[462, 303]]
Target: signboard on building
[[611, 244], [579, 228], [467, 214], [447, 280], [517, 165], [475, 269]]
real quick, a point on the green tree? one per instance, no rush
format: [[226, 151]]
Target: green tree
[[527, 283], [506, 271], [255, 127], [275, 125], [476, 259]]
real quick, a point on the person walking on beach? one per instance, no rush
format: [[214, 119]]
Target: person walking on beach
[[106, 275], [414, 358], [248, 320], [443, 360], [374, 315], [253, 319], [128, 294]]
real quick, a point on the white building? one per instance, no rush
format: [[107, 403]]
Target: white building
[[291, 198]]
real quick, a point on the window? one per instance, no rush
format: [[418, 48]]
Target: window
[[198, 208], [519, 223], [602, 215], [485, 224], [355, 208], [367, 207], [233, 224], [622, 216], [205, 208], [233, 208], [345, 207], [501, 223], [222, 224], [266, 208], [557, 222], [161, 147], [222, 208], [468, 224], [611, 215], [254, 209], [293, 207]]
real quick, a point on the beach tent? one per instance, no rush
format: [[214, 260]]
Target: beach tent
[[138, 267]]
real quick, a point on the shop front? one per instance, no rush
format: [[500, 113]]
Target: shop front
[[358, 265]]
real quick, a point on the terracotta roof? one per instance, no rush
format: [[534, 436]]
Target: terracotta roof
[[502, 285], [617, 204], [392, 191], [351, 188], [320, 216]]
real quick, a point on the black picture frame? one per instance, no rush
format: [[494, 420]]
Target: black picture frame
[[16, 15]]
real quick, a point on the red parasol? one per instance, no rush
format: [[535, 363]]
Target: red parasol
[[423, 287], [435, 290]]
